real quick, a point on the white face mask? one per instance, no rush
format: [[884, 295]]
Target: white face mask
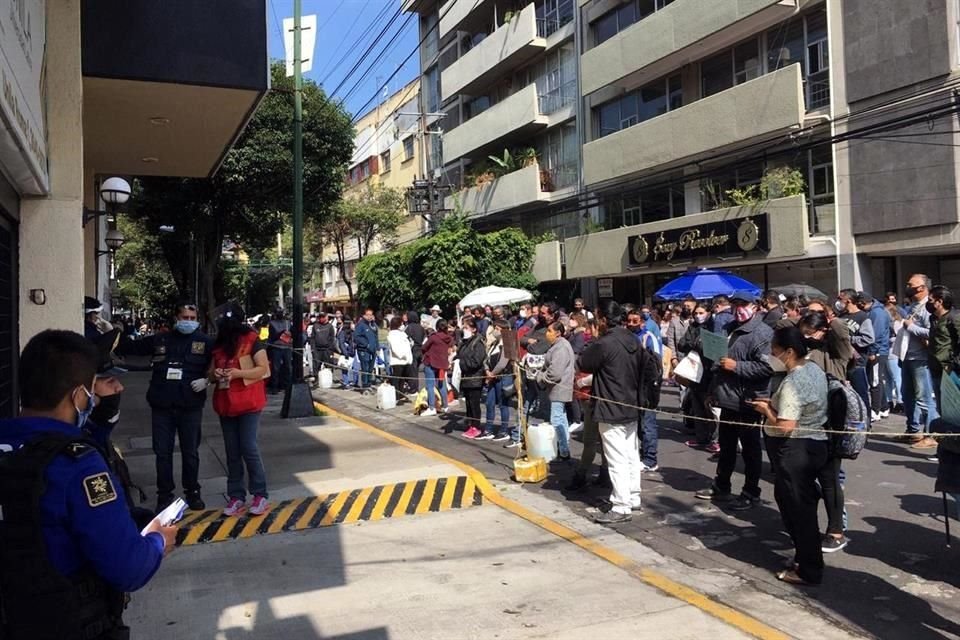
[[523, 313], [702, 317], [467, 334]]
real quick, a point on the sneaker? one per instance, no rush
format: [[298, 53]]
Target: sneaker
[[503, 437], [563, 458], [885, 414], [612, 517], [471, 433], [428, 412], [574, 427], [713, 448], [644, 467], [235, 507], [513, 444], [925, 443], [195, 502], [744, 503], [874, 416], [830, 543], [259, 506], [693, 444], [933, 458], [446, 410], [715, 495], [486, 435]]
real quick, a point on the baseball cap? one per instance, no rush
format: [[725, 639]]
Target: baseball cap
[[743, 295], [435, 307]]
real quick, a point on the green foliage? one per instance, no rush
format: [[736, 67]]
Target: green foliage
[[358, 220], [250, 197], [145, 283], [781, 182], [443, 268], [506, 164]]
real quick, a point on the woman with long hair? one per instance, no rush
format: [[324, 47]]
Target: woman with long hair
[[239, 367], [894, 397], [797, 447]]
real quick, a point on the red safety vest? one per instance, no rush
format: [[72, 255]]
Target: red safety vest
[[239, 398]]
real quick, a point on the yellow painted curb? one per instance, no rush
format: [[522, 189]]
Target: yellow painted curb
[[701, 601]]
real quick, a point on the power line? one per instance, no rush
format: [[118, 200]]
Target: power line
[[367, 51], [383, 53], [356, 43]]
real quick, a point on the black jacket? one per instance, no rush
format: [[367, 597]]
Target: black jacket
[[472, 355], [749, 345], [612, 359], [324, 338], [691, 342], [416, 334]]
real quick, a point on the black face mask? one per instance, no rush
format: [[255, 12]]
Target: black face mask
[[813, 343], [911, 291], [685, 313], [931, 308], [105, 410]]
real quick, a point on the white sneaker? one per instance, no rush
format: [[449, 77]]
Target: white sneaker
[[644, 467], [874, 416], [428, 412], [885, 414], [259, 506], [576, 426]]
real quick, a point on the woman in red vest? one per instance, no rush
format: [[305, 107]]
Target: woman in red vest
[[240, 364]]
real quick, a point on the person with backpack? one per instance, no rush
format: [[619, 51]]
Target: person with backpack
[[740, 377], [649, 434], [797, 447]]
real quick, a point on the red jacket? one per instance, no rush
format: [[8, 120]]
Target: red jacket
[[436, 350]]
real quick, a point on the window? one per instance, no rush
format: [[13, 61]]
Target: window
[[805, 42], [552, 15], [408, 148], [648, 102], [713, 190], [385, 161], [557, 153], [555, 77], [651, 205], [431, 89], [431, 38], [625, 15], [820, 186], [730, 68]]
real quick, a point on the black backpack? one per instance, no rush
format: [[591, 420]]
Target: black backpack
[[649, 377], [846, 412]]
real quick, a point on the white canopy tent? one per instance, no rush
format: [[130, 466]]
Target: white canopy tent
[[494, 296]]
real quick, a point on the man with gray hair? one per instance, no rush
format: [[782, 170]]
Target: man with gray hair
[[917, 383]]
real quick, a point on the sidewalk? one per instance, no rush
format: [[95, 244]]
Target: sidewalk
[[476, 572]]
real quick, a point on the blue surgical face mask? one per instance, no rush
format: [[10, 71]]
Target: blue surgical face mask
[[83, 414], [187, 326], [646, 315]]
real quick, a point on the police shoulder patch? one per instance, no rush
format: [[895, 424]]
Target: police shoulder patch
[[198, 348], [99, 489]]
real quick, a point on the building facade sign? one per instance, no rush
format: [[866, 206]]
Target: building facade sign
[[23, 142], [726, 238]]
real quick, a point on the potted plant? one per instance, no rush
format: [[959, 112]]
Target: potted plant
[[527, 156], [506, 164]]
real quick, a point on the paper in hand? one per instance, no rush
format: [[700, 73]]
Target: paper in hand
[[172, 514]]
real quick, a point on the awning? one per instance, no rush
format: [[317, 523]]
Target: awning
[[168, 87], [314, 296]]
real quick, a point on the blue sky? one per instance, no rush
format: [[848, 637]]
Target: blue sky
[[340, 26]]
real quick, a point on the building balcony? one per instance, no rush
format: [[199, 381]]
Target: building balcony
[[510, 46], [516, 115], [783, 222], [756, 109], [457, 14], [680, 33], [525, 186]]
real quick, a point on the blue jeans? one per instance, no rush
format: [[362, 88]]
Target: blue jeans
[[649, 438], [495, 398], [366, 368], [240, 445], [351, 375], [430, 376], [918, 395], [167, 424], [558, 418], [861, 384], [894, 395], [385, 356]]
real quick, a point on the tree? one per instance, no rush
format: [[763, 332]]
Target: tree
[[144, 281], [360, 220], [446, 266], [249, 197]]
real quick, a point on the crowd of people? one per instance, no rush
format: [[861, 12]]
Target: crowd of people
[[784, 359]]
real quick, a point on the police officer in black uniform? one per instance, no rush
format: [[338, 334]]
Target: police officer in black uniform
[[177, 393], [69, 549]]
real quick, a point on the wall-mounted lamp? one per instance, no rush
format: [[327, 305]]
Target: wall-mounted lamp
[[114, 192], [114, 241], [38, 296]]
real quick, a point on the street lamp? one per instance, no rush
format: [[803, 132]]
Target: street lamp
[[114, 192], [114, 241]]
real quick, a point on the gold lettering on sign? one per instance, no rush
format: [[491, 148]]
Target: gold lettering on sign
[[664, 249]]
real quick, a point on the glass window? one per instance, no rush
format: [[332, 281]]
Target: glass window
[[626, 15], [646, 7], [431, 35], [385, 161], [408, 148], [632, 211], [716, 74], [656, 204], [653, 100], [675, 87], [605, 28], [746, 62], [609, 118], [629, 110], [432, 89], [613, 215], [785, 46]]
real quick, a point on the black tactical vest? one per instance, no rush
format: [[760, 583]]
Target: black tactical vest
[[187, 354], [37, 602]]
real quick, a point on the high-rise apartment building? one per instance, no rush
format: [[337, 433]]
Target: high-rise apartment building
[[790, 141]]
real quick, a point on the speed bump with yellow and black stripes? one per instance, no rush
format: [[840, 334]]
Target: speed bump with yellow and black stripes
[[372, 503]]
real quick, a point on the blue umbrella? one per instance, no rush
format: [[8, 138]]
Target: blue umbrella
[[704, 284]]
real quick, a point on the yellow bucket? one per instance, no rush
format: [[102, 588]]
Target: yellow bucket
[[530, 470]]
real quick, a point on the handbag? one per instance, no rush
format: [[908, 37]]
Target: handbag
[[690, 369]]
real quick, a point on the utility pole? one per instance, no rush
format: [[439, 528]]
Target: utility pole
[[298, 402]]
